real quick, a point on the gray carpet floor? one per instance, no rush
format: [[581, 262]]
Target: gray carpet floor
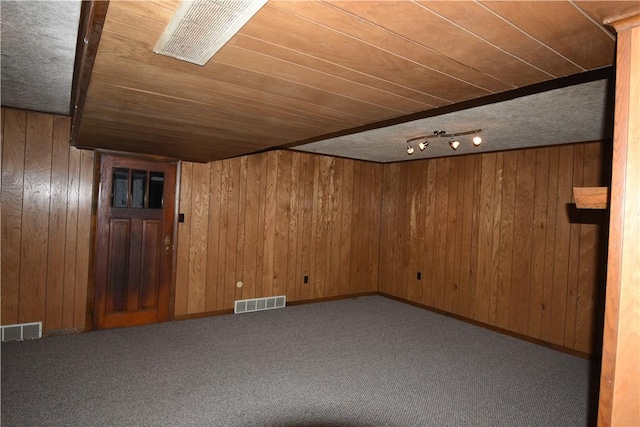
[[367, 361]]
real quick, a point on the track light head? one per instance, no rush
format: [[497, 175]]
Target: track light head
[[477, 140], [454, 143], [423, 145], [410, 149]]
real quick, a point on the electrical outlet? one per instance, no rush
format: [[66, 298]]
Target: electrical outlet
[[419, 275], [306, 279]]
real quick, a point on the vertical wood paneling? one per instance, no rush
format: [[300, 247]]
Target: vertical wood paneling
[[232, 238], [467, 226], [501, 233], [269, 238], [57, 223], [282, 216], [343, 258], [574, 253], [536, 302], [332, 285], [218, 236], [497, 222], [250, 248], [473, 279], [372, 227], [387, 249], [198, 241], [507, 212], [307, 231], [441, 209], [523, 224], [429, 187], [35, 217], [84, 233], [485, 238], [242, 205], [495, 250], [72, 238], [452, 246], [13, 146], [261, 226], [270, 220], [413, 222], [46, 221], [213, 240], [294, 278], [562, 244], [550, 243]]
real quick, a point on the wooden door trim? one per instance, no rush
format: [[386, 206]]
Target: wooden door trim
[[174, 256]]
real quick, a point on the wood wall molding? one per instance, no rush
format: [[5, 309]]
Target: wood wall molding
[[620, 380]]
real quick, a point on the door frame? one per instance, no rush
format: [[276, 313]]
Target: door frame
[[89, 319]]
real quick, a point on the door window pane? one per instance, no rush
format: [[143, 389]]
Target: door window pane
[[138, 188], [120, 191], [156, 190]]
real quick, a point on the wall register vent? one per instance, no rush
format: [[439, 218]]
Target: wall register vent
[[259, 304], [22, 331]]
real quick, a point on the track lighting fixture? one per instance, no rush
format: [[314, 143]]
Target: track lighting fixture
[[454, 142]]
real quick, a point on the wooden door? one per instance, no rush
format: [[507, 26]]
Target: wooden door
[[134, 243]]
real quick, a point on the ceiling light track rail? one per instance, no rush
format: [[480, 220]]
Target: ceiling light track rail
[[454, 142]]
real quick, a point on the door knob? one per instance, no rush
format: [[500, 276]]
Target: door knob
[[167, 244]]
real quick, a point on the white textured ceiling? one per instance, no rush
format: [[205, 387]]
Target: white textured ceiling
[[38, 53], [571, 114]]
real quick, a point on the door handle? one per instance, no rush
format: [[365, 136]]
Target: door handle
[[167, 244]]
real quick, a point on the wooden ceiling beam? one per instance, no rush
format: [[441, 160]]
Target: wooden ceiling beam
[[92, 17]]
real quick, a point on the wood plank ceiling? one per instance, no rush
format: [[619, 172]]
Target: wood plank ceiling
[[302, 69]]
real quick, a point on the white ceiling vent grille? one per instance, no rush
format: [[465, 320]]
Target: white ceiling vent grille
[[200, 28]]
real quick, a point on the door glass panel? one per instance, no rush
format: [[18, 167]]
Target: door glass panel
[[156, 190], [120, 189], [138, 188]]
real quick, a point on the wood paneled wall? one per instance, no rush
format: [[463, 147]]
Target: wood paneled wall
[[46, 221], [495, 235], [270, 219], [497, 239]]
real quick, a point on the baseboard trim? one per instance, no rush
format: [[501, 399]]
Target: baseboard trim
[[334, 298], [202, 314], [289, 303], [493, 328]]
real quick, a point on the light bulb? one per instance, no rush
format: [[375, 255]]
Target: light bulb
[[477, 140], [423, 145], [410, 150], [454, 143]]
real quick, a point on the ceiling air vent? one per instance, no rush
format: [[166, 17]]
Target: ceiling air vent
[[200, 28]]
